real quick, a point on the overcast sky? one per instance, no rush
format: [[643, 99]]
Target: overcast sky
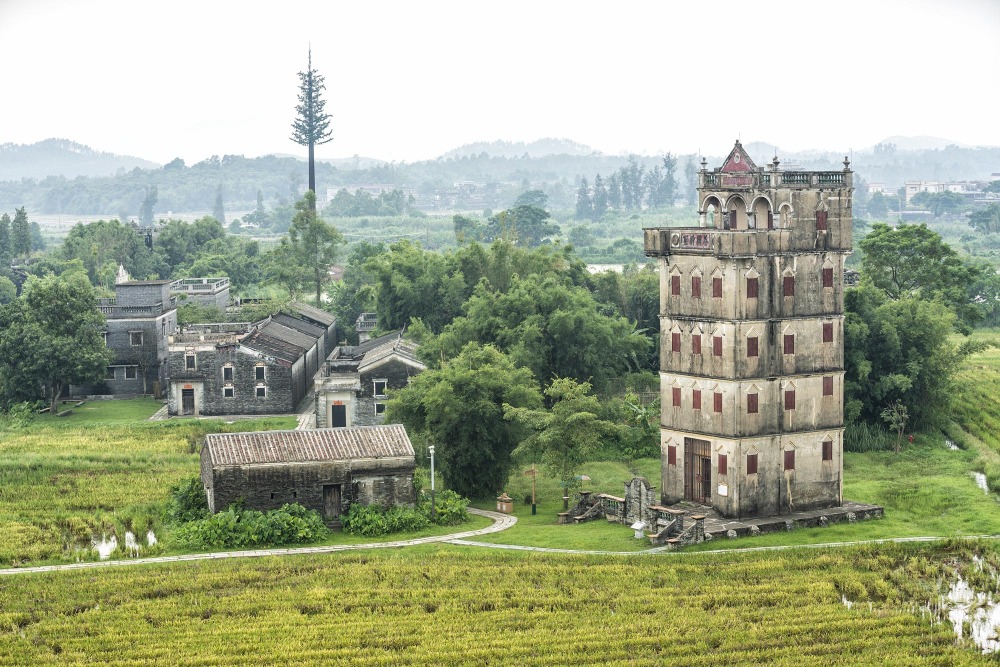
[[410, 80]]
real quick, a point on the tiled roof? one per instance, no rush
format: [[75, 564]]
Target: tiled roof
[[308, 446], [279, 331], [302, 326], [313, 313], [401, 348]]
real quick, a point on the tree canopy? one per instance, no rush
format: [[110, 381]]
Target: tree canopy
[[313, 244]]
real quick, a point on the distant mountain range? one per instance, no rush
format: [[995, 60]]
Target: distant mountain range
[[538, 148], [62, 157]]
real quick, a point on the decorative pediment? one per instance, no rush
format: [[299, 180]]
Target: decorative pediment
[[738, 160]]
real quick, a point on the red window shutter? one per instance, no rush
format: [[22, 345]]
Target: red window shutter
[[696, 344], [675, 342], [751, 404], [696, 287], [696, 399], [828, 386], [820, 220], [671, 455], [677, 397], [752, 350], [790, 460], [827, 277], [751, 288], [723, 464], [732, 219], [675, 285], [789, 399], [751, 464], [789, 343], [788, 286], [717, 346], [827, 332], [716, 288], [828, 450], [718, 401]]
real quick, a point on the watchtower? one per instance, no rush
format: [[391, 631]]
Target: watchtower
[[752, 353]]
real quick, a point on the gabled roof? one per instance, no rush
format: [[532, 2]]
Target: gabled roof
[[738, 160], [311, 313], [261, 342], [360, 350], [400, 349], [302, 326], [280, 332], [307, 446]]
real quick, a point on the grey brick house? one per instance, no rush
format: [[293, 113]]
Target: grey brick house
[[322, 469]]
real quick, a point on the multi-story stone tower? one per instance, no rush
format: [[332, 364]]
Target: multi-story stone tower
[[752, 352]]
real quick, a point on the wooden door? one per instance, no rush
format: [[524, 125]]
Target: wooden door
[[187, 401], [331, 501], [697, 470]]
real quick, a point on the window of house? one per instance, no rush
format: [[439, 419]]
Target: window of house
[[228, 391], [751, 404], [675, 285], [717, 346], [789, 399], [696, 287], [828, 277], [827, 332], [135, 338], [788, 286], [676, 397], [190, 362], [259, 373], [821, 220], [379, 408], [109, 373], [379, 388], [130, 372], [751, 288], [696, 344], [828, 385], [671, 455], [675, 341], [227, 373], [718, 402], [790, 460], [828, 450], [752, 350], [104, 335], [751, 464], [716, 288], [261, 391], [696, 399], [789, 343], [723, 464]]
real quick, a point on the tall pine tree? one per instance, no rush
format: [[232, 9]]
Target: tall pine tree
[[312, 123], [584, 206], [21, 234], [600, 198], [6, 247]]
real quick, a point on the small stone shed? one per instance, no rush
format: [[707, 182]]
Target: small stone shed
[[321, 469]]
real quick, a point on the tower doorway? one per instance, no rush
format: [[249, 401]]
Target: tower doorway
[[697, 470]]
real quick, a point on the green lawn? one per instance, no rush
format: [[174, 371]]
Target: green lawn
[[108, 412]]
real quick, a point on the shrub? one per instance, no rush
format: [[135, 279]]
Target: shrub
[[187, 501], [374, 520], [448, 505], [237, 528]]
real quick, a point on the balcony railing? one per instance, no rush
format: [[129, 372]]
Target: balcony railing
[[662, 241]]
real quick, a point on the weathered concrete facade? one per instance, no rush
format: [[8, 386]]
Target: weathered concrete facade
[[324, 469], [752, 354]]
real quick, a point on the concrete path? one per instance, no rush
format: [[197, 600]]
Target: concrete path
[[500, 522], [159, 415]]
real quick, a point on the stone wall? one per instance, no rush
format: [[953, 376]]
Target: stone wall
[[284, 383]]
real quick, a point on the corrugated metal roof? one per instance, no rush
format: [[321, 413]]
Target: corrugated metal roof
[[308, 446]]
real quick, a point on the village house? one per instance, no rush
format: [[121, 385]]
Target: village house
[[352, 387], [323, 469], [752, 340], [212, 292]]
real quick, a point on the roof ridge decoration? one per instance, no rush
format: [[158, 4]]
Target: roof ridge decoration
[[738, 160]]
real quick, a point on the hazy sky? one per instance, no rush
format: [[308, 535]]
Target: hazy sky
[[410, 80]]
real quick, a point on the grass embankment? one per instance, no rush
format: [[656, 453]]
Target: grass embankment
[[445, 606]]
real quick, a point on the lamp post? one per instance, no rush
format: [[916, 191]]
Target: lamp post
[[433, 514]]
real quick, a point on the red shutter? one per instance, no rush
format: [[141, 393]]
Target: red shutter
[[790, 460], [752, 350], [751, 404], [770, 220], [788, 286], [827, 277], [820, 220], [696, 287], [828, 386], [696, 344], [732, 219], [671, 455], [828, 450], [696, 399], [717, 346], [751, 464], [677, 397], [675, 285], [718, 401], [789, 399], [723, 464], [716, 288], [751, 288], [827, 332], [789, 343], [675, 342]]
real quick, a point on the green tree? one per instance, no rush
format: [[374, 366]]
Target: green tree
[[148, 206], [6, 242], [525, 225], [878, 208], [600, 198], [584, 205], [459, 407], [20, 233], [939, 203], [219, 210], [314, 244], [8, 290], [357, 292], [312, 124], [467, 229], [51, 336], [994, 186], [985, 220], [179, 242], [564, 437], [104, 245]]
